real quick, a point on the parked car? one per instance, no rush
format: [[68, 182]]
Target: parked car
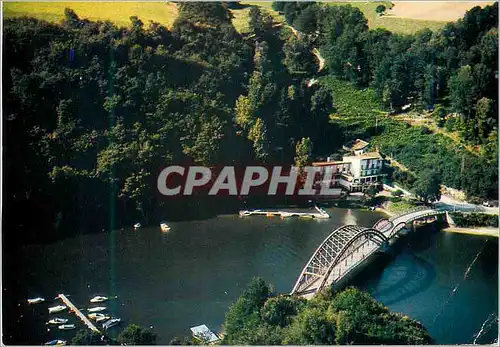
[[491, 203]]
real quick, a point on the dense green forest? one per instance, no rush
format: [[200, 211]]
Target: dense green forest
[[93, 112], [262, 317], [452, 73]]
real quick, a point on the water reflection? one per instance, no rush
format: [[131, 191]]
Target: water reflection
[[349, 217]]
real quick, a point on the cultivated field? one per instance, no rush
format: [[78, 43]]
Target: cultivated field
[[120, 12], [404, 17], [411, 17], [117, 12], [434, 11]]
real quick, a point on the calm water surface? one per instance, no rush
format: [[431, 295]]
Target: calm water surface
[[190, 275]]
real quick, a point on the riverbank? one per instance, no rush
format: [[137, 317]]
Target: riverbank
[[479, 231]]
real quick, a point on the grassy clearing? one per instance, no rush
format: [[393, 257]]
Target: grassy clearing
[[416, 119], [394, 24], [400, 207], [117, 12], [240, 19]]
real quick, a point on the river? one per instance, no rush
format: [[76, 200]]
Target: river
[[190, 275]]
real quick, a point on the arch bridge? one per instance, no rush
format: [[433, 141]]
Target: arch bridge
[[348, 246]]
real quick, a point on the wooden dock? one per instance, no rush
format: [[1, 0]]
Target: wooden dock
[[320, 214], [78, 313]]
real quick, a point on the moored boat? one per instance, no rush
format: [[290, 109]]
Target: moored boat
[[164, 227], [137, 225], [58, 321], [97, 309], [102, 319], [36, 300], [55, 343], [57, 308], [98, 317], [67, 327], [111, 323], [98, 299]]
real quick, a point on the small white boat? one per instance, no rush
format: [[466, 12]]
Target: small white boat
[[58, 321], [67, 327], [98, 299], [164, 227], [96, 316], [56, 343], [36, 300], [57, 308], [102, 319], [111, 323], [97, 309], [137, 225]]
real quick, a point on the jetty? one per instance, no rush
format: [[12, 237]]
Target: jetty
[[78, 313], [318, 214]]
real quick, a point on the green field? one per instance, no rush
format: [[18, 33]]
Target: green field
[[165, 13]]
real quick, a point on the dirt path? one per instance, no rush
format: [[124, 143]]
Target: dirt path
[[320, 59]]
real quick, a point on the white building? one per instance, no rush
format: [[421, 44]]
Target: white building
[[356, 172]]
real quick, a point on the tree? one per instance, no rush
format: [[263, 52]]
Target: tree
[[244, 112], [440, 116], [259, 22], [485, 119], [347, 317], [306, 21], [86, 337], [244, 315], [135, 335], [428, 186], [380, 10], [462, 92], [298, 56], [397, 193], [258, 135], [303, 151], [371, 191]]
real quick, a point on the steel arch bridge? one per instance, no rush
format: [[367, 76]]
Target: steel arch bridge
[[348, 246]]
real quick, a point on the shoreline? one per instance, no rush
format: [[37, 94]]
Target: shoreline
[[479, 231]]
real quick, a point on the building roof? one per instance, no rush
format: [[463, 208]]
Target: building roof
[[329, 163], [367, 155], [359, 144], [203, 333]]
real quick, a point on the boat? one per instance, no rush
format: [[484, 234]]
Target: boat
[[98, 299], [98, 317], [164, 227], [94, 316], [111, 323], [102, 319], [204, 335], [58, 321], [55, 343], [67, 327], [36, 300], [97, 309], [137, 225], [57, 308]]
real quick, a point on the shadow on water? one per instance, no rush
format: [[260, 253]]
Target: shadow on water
[[417, 274]]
